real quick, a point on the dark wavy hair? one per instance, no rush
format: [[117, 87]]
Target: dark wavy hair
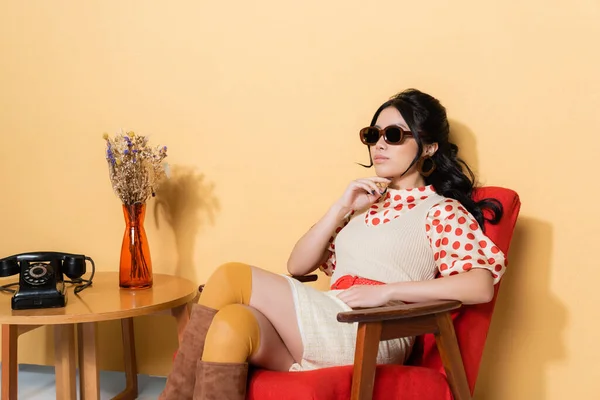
[[452, 177]]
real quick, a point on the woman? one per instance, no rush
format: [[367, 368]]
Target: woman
[[385, 239]]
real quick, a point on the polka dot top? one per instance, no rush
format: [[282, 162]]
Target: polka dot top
[[457, 242]]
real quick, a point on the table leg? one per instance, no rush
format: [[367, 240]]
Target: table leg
[[10, 337], [64, 349], [182, 316], [89, 387], [131, 390]]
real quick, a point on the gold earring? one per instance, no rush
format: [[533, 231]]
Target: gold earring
[[421, 163]]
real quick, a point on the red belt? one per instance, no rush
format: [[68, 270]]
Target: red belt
[[347, 281]]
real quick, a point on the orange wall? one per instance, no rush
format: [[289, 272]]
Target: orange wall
[[260, 104]]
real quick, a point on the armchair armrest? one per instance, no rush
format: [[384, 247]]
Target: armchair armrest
[[401, 311], [305, 278], [396, 321]]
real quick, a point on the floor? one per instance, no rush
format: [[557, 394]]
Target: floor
[[37, 383]]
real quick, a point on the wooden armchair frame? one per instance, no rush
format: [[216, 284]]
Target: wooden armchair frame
[[384, 323]]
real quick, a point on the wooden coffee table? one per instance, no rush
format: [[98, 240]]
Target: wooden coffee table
[[103, 301]]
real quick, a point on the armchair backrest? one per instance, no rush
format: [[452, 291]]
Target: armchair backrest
[[472, 322]]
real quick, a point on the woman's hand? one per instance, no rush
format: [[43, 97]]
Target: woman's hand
[[361, 193], [366, 296]]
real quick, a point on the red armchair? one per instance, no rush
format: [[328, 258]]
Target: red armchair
[[444, 362]]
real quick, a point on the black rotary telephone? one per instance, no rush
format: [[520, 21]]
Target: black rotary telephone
[[41, 282]]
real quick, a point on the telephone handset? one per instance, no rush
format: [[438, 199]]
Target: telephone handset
[[41, 282]]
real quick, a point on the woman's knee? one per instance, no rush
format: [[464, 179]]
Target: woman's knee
[[233, 336], [231, 283]]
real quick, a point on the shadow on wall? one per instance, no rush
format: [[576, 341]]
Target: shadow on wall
[[526, 329], [528, 320], [186, 201]]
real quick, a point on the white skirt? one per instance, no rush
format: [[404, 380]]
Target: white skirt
[[327, 342]]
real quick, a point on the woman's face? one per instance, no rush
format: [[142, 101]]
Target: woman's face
[[391, 160]]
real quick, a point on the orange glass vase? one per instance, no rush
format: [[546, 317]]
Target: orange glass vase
[[135, 269]]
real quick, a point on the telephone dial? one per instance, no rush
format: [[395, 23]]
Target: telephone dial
[[41, 283]]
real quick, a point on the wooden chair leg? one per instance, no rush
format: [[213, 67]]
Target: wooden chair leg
[[64, 349], [450, 354], [131, 389], [10, 338], [365, 358], [89, 379]]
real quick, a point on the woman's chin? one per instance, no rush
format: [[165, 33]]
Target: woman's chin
[[383, 172]]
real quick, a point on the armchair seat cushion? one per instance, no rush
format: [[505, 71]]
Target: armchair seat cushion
[[392, 382]]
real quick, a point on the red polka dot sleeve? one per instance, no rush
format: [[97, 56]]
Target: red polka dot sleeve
[[329, 265], [458, 242]]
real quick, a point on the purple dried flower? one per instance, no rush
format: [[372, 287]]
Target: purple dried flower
[[124, 165], [110, 155]]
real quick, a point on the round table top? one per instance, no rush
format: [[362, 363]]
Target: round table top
[[104, 301]]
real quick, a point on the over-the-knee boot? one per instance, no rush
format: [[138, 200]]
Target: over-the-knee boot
[[221, 381], [180, 382]]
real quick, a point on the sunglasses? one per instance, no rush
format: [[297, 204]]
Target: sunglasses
[[391, 134]]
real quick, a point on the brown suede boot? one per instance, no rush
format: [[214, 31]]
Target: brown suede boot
[[221, 381], [181, 380]]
